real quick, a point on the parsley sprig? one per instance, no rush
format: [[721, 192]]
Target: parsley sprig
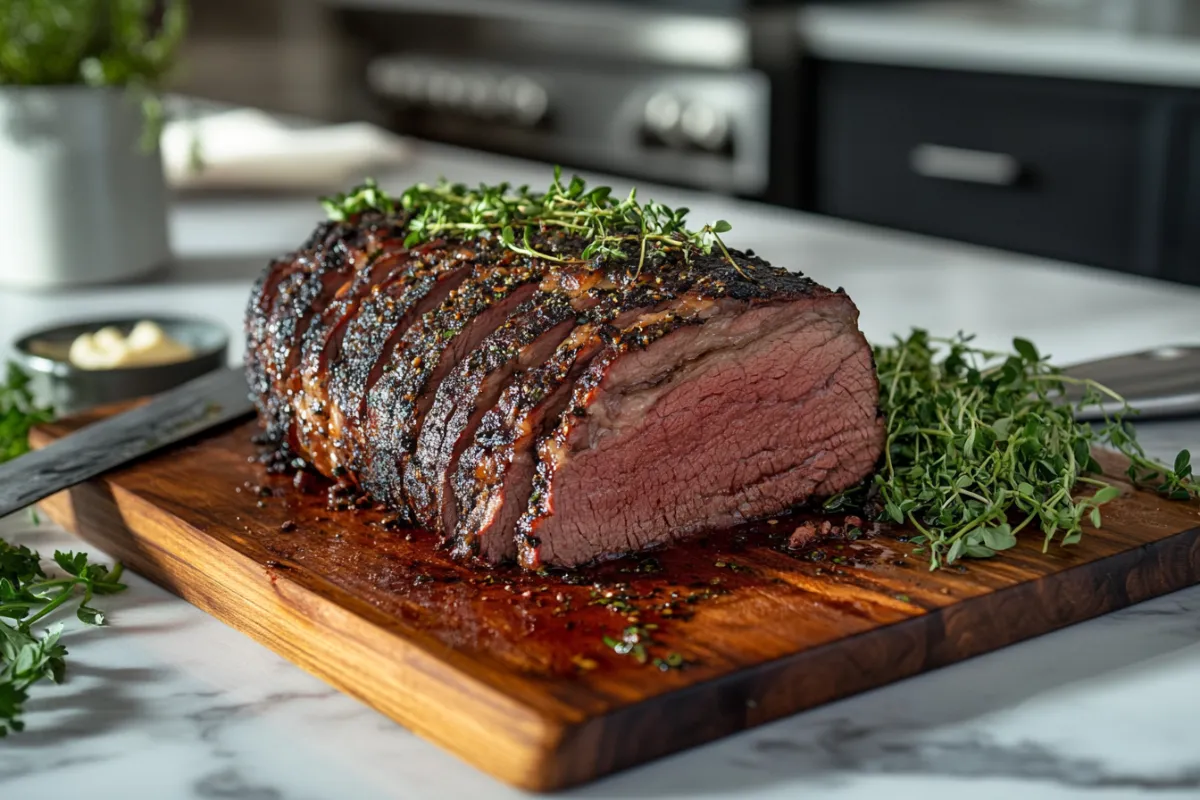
[[981, 447], [19, 412], [613, 228], [26, 661], [28, 595]]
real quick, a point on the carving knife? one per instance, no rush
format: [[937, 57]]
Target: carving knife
[[1163, 382], [191, 408]]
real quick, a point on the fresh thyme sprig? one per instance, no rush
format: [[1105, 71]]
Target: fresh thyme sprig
[[981, 446], [28, 595], [612, 228]]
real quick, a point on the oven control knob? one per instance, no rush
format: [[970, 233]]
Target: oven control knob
[[705, 126], [402, 81], [445, 89], [525, 100], [481, 96], [661, 116]]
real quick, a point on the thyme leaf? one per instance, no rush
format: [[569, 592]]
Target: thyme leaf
[[635, 642], [981, 447]]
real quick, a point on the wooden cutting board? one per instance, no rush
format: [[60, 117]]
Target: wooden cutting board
[[512, 672]]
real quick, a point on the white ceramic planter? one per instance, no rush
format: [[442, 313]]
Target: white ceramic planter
[[80, 201]]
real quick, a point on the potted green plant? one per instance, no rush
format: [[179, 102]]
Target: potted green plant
[[82, 195]]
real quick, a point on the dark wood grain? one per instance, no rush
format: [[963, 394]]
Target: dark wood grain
[[488, 664]]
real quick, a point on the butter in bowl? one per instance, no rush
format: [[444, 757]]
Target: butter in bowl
[[84, 364]]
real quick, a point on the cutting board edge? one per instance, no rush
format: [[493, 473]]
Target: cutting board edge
[[523, 744]]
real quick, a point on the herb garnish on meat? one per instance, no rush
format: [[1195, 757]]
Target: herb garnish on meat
[[613, 227]]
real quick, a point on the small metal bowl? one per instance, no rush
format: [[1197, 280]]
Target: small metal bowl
[[43, 353]]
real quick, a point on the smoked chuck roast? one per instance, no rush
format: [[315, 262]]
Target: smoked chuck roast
[[559, 412]]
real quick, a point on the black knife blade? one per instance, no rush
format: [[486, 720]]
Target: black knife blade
[[184, 411]]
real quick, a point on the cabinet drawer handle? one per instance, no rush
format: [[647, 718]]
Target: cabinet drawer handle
[[959, 164]]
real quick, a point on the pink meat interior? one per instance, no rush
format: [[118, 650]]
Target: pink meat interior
[[739, 418]]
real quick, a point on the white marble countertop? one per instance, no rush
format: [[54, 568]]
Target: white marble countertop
[[1137, 41], [169, 703]]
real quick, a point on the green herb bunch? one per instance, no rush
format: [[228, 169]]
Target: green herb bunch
[[982, 446], [19, 412], [28, 595], [613, 228], [92, 42]]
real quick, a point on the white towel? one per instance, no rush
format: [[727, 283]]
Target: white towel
[[249, 149]]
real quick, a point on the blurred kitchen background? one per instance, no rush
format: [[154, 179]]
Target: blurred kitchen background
[[1061, 128]]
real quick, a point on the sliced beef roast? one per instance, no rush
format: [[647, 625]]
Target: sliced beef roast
[[537, 400]]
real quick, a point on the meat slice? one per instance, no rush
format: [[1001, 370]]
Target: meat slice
[[322, 346], [302, 291], [494, 475], [527, 338], [498, 466], [302, 294], [427, 352], [761, 407], [257, 321], [263, 296], [383, 318]]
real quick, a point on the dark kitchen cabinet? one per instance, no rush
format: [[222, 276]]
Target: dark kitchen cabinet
[[1181, 231], [1051, 167]]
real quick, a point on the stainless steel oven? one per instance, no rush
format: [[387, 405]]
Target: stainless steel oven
[[700, 93]]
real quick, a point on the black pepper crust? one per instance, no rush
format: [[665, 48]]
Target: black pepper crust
[[291, 293], [302, 295], [257, 319], [322, 346], [265, 293]]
